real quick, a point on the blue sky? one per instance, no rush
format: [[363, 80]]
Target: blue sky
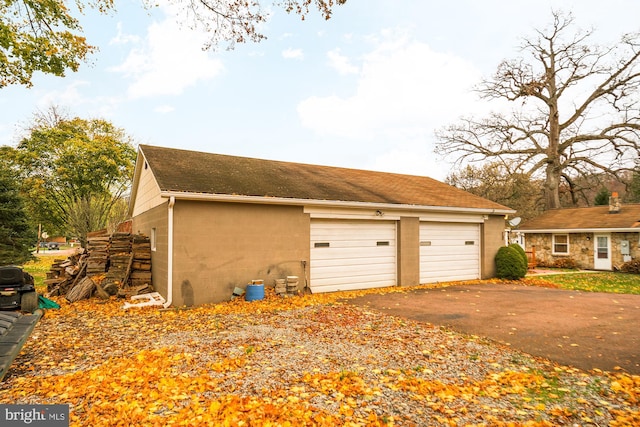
[[365, 89]]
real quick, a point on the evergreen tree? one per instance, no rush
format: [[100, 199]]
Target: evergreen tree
[[16, 235], [633, 190], [602, 198]]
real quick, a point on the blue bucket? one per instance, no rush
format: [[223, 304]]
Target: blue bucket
[[254, 292]]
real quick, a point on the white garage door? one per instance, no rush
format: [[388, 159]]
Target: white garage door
[[351, 254], [449, 252]]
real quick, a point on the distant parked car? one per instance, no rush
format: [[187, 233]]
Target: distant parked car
[[50, 245]]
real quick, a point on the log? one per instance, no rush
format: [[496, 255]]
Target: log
[[83, 268], [100, 292], [111, 288], [82, 290]]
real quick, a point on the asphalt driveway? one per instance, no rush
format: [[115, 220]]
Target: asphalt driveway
[[582, 329]]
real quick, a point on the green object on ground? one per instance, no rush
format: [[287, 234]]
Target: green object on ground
[[47, 303]]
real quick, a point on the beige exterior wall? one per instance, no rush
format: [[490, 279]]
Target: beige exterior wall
[[492, 236], [581, 248], [408, 251], [148, 192], [220, 246], [145, 223]]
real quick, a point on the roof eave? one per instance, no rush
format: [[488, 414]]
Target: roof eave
[[581, 230], [326, 203]]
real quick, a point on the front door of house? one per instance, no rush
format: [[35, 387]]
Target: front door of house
[[602, 252]]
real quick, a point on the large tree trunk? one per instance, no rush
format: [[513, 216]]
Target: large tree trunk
[[552, 186]]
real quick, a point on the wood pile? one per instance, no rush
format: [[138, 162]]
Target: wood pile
[[120, 259], [65, 273], [139, 278], [141, 274], [119, 264], [98, 249]]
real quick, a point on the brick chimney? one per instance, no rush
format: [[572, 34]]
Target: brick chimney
[[614, 203]]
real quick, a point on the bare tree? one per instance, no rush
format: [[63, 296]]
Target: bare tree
[[239, 21], [498, 182], [577, 111]]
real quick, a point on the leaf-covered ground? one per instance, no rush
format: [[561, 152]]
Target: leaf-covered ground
[[312, 360]]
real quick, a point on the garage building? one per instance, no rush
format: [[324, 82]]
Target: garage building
[[217, 222]]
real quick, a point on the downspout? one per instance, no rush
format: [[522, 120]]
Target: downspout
[[172, 202]]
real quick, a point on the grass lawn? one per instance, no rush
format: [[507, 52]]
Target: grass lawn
[[39, 267], [618, 283]]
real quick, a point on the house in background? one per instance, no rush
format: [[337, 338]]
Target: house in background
[[217, 222], [598, 238]]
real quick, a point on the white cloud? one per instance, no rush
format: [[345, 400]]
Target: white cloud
[[405, 91], [69, 95], [341, 63], [163, 109], [169, 60], [293, 54], [402, 83], [122, 38]]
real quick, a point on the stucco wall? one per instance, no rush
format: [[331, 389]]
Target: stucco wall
[[220, 246], [581, 248], [492, 235], [144, 223], [408, 251]]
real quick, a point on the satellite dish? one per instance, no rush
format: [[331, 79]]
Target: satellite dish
[[515, 221]]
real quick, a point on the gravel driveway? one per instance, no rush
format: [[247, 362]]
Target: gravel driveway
[[586, 330]]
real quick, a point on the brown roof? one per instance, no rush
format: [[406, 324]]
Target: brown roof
[[206, 173], [597, 217]]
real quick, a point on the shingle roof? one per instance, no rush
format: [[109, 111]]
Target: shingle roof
[[597, 217], [206, 173]]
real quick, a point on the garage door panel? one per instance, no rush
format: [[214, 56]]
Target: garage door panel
[[331, 286], [449, 252], [349, 254], [334, 244], [451, 276], [353, 270], [346, 262]]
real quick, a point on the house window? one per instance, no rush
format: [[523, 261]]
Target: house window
[[152, 239], [561, 244]]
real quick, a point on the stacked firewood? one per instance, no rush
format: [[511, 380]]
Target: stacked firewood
[[98, 250], [139, 279], [120, 259], [65, 273], [119, 264]]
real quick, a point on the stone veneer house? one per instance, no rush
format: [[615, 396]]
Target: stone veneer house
[[217, 222], [598, 238]]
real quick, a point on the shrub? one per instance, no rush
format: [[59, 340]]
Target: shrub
[[632, 266], [522, 253], [566, 263], [509, 264]]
